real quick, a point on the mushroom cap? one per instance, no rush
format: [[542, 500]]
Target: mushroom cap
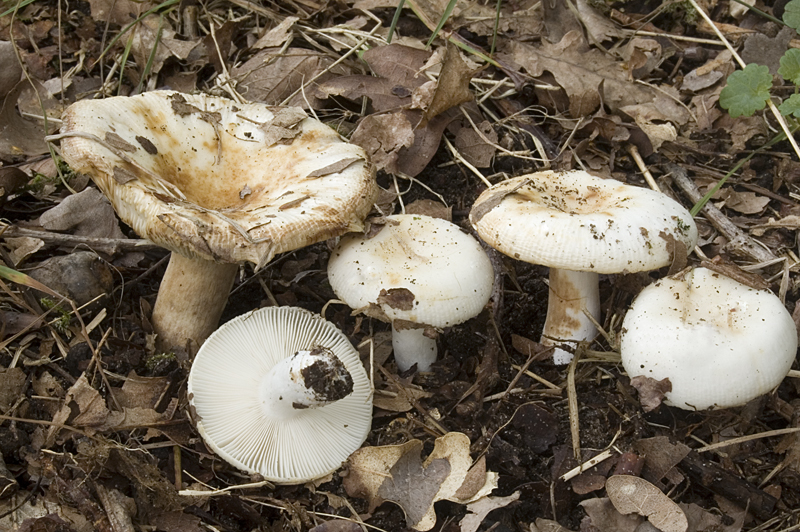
[[210, 178], [719, 342], [575, 221], [225, 385], [416, 268]]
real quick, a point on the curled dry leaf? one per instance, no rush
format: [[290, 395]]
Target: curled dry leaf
[[651, 391], [636, 495], [397, 473], [382, 137]]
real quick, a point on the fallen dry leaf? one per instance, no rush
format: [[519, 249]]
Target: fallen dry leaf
[[651, 391], [382, 136], [396, 473], [119, 12], [743, 202], [12, 71], [273, 75], [701, 520], [479, 509], [587, 75], [636, 495], [399, 397], [660, 456], [473, 147], [602, 515], [87, 213], [151, 33], [18, 136], [277, 35], [452, 87]]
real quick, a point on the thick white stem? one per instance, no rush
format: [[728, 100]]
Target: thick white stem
[[570, 294], [308, 379], [411, 346], [190, 301]]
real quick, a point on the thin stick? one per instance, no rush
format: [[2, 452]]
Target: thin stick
[[572, 401], [751, 437], [634, 151]]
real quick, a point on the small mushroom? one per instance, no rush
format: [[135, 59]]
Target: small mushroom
[[219, 184], [720, 343], [418, 273], [281, 392], [580, 225]]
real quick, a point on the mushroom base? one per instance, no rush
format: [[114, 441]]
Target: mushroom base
[[570, 293], [309, 379], [411, 346], [190, 301]]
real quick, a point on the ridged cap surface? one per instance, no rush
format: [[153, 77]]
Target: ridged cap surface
[[575, 221]]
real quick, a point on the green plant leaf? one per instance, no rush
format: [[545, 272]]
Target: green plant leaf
[[791, 106], [747, 90], [791, 14], [790, 66]]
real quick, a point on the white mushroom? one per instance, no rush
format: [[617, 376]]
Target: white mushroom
[[580, 225], [219, 184], [720, 343], [281, 392], [418, 273]]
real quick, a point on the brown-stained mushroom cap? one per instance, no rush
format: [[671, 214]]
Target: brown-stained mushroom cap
[[212, 179], [218, 183]]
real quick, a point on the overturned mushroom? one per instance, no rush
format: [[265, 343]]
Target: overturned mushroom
[[281, 392], [219, 184]]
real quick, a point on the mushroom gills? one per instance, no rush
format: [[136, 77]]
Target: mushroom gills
[[310, 378]]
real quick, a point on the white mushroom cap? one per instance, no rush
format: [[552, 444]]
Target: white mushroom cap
[[270, 392], [213, 179], [719, 342], [575, 221], [416, 268]]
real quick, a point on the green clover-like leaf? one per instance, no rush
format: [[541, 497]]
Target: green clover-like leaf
[[791, 106], [790, 66], [747, 90], [791, 14]]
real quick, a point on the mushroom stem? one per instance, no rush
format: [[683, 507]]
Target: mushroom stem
[[411, 346], [308, 379], [190, 300], [570, 293]]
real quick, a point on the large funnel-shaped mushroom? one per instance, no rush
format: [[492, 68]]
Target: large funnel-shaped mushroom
[[218, 183]]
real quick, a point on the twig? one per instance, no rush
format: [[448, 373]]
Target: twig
[[111, 246], [572, 401], [738, 240]]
